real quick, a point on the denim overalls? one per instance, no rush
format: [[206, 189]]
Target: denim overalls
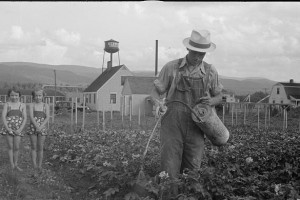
[[182, 141]]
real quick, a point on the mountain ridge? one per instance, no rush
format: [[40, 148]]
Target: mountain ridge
[[24, 72]]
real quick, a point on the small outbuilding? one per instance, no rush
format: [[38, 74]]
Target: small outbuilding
[[135, 95]]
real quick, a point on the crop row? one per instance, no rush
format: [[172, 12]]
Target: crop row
[[254, 164]]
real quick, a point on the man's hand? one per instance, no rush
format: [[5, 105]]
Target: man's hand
[[161, 109], [208, 100]]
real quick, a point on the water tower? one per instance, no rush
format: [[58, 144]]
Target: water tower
[[111, 46]]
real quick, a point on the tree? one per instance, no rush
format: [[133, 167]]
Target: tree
[[255, 97]]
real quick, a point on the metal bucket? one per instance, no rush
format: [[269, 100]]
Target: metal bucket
[[210, 124]]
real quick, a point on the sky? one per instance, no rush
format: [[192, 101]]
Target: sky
[[253, 39]]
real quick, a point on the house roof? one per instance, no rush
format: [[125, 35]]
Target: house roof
[[141, 84], [51, 93], [289, 84], [291, 89], [29, 92], [102, 79]]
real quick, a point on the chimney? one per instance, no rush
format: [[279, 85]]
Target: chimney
[[109, 64], [291, 80]]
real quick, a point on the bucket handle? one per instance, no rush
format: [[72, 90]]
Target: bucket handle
[[189, 107]]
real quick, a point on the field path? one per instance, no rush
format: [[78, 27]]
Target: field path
[[29, 184]]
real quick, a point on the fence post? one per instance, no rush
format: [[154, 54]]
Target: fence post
[[53, 109], [224, 114], [103, 115], [299, 124], [98, 118], [139, 120], [111, 114], [283, 119], [286, 116], [258, 116], [245, 105], [83, 112], [72, 108], [266, 109], [269, 115], [236, 114], [231, 114], [130, 111], [76, 112], [122, 112], [47, 101]]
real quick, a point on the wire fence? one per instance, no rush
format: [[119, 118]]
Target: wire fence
[[260, 115]]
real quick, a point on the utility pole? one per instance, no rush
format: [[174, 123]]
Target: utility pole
[[156, 56]]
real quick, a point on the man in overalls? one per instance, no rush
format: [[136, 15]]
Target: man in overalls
[[189, 80]]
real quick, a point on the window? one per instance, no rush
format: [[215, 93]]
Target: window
[[277, 90], [113, 98], [94, 98], [273, 101], [90, 98]]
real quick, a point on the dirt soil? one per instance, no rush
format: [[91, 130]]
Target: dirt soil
[[53, 182]]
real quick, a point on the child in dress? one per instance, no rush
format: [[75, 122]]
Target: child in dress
[[14, 119], [37, 130]]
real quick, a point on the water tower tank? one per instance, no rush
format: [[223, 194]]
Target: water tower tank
[[111, 46]]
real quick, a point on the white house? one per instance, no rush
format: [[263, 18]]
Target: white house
[[285, 93], [230, 98], [104, 93], [135, 92]]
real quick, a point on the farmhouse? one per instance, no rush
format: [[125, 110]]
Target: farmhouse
[[230, 98], [135, 95], [104, 93], [285, 93]]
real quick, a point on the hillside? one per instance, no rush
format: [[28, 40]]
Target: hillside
[[41, 73], [25, 72], [240, 86]]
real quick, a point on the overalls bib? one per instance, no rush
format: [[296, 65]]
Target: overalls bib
[[182, 141]]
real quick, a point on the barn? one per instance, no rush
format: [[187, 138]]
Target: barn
[[285, 93]]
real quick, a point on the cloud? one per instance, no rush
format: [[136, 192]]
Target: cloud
[[124, 8], [139, 9], [252, 39], [182, 14], [66, 38], [17, 38], [17, 32]]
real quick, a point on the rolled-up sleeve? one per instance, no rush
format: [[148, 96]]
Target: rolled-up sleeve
[[216, 86], [162, 83]]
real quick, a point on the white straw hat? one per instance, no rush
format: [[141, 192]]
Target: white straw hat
[[199, 41]]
